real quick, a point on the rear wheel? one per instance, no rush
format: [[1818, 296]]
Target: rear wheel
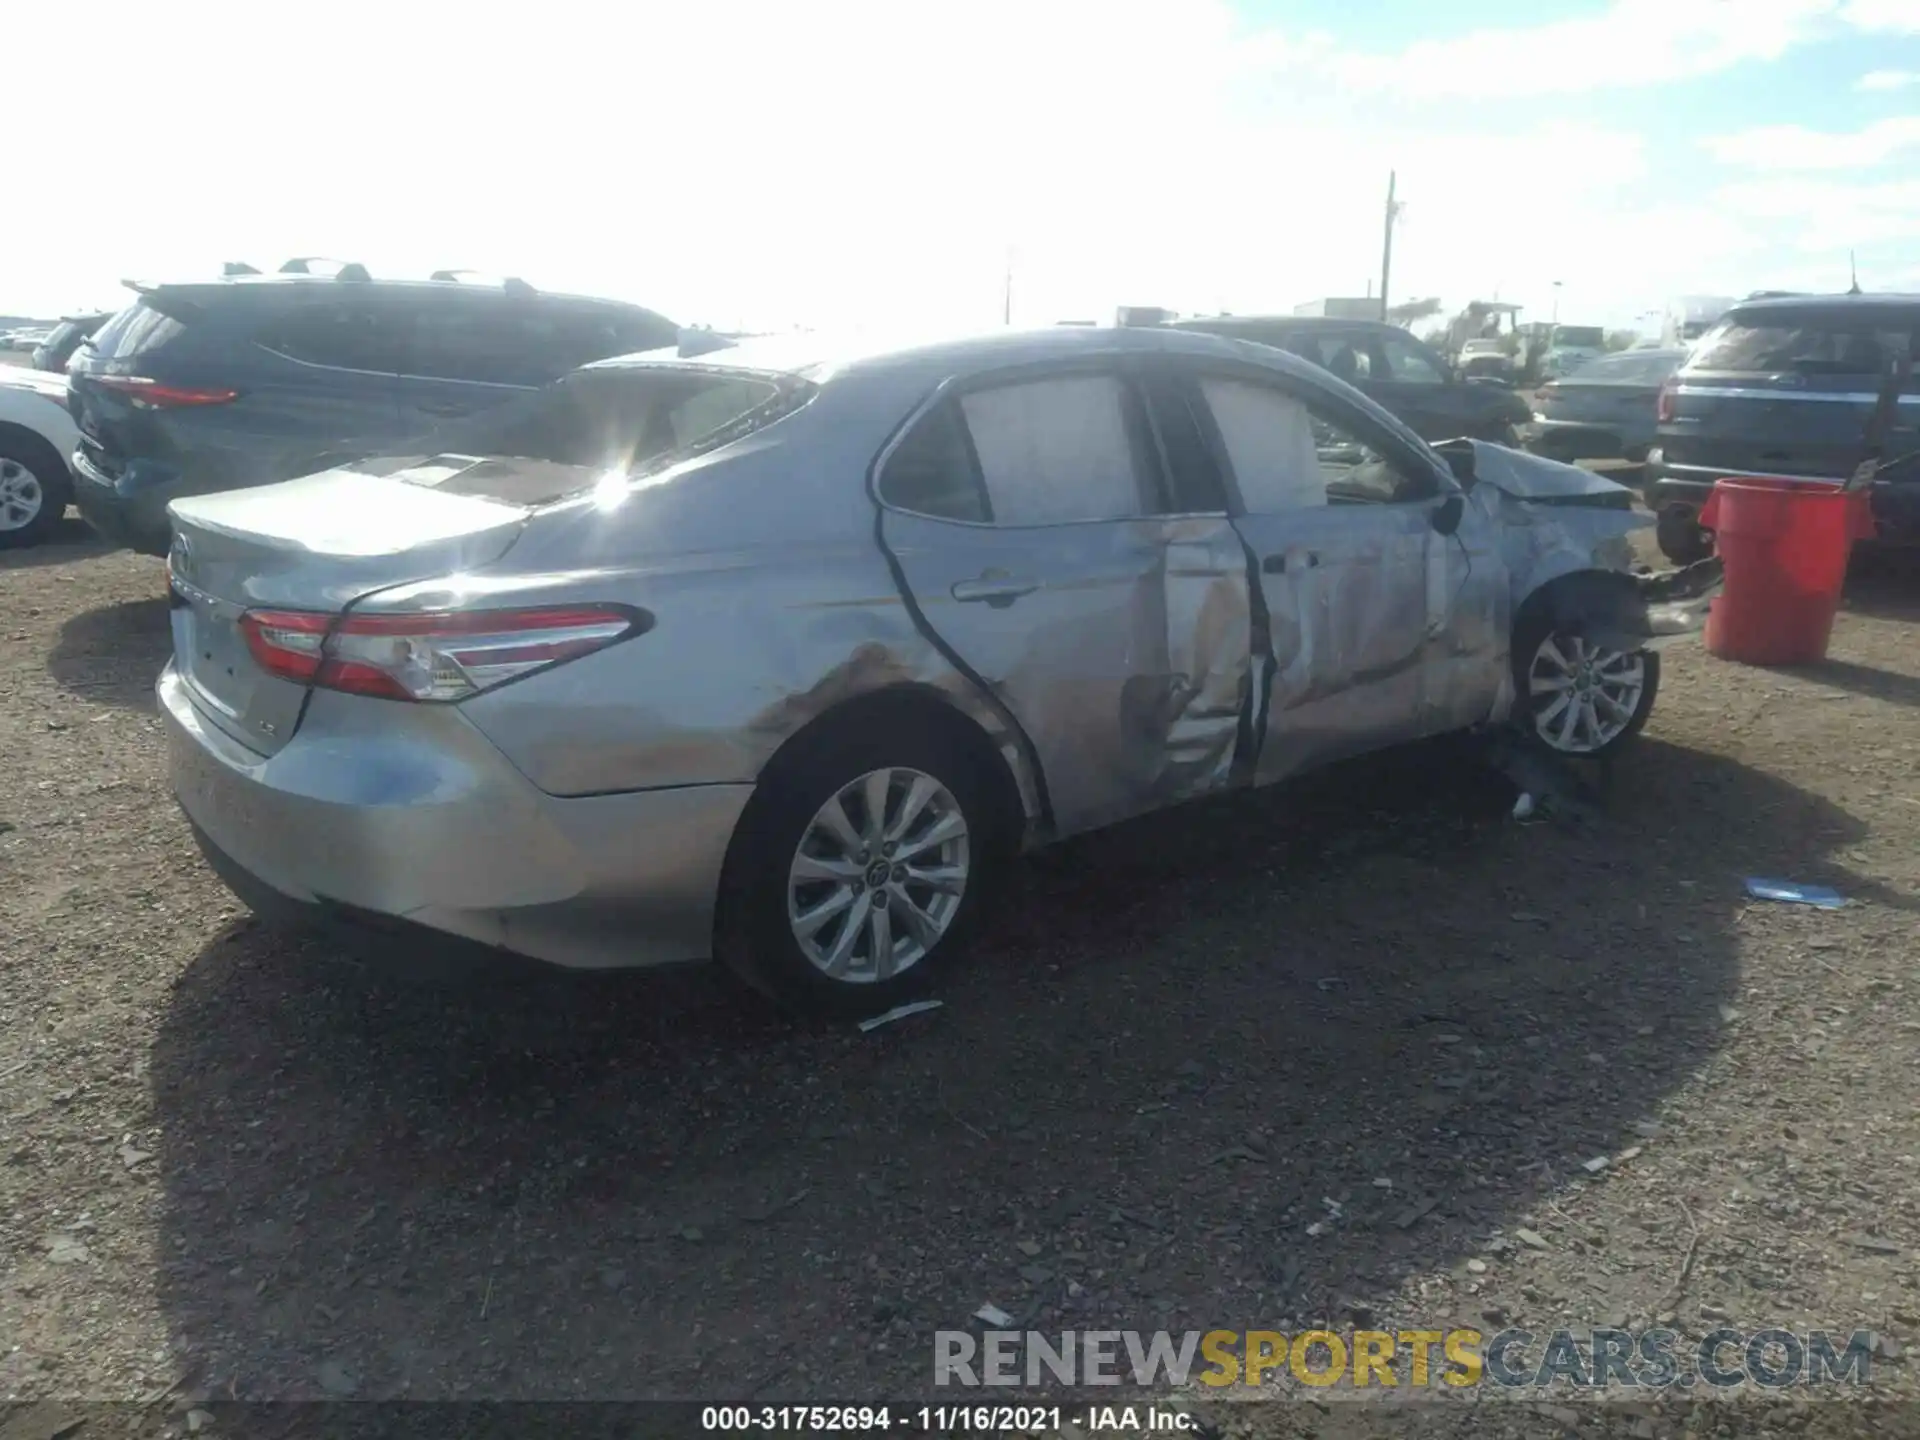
[[34, 490], [859, 870], [1577, 697]]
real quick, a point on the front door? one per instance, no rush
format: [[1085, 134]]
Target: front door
[[1351, 576], [1027, 516]]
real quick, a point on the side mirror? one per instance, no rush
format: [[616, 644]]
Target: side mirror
[[1447, 514]]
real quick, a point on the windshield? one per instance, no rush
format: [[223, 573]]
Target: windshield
[[627, 418], [1801, 344]]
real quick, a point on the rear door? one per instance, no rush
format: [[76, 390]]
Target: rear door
[[1032, 520], [463, 354], [1788, 390]]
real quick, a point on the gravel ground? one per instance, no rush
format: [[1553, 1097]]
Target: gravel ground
[[241, 1164]]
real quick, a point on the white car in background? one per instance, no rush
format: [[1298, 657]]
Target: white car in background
[[36, 436]]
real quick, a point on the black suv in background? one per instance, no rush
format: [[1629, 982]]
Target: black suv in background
[[250, 378], [1784, 388], [1389, 366]]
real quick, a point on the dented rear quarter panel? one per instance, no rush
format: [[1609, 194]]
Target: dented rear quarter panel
[[770, 603]]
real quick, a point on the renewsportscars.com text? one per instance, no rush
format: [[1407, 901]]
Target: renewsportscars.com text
[[1415, 1359]]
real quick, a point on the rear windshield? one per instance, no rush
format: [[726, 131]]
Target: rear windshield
[[1800, 343], [1628, 369], [631, 420], [134, 331], [1580, 337]]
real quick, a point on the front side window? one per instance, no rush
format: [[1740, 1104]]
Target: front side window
[[1287, 455], [1055, 450], [1407, 364]]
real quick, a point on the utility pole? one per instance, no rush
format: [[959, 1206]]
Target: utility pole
[[1386, 246], [1006, 293]]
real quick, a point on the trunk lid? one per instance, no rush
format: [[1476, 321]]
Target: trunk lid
[[1598, 402], [317, 544]]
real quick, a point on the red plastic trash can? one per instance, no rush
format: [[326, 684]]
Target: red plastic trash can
[[1785, 545]]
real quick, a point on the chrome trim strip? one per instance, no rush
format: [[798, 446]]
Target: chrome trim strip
[[1728, 392]]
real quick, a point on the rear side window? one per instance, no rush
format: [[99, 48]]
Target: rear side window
[[1799, 342], [136, 330], [626, 419], [340, 334], [1056, 450], [931, 471], [516, 343], [457, 338]]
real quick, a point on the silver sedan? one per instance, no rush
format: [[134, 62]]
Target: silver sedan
[[776, 654]]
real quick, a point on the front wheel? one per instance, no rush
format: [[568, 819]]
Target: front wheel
[[33, 491], [1580, 698], [858, 872]]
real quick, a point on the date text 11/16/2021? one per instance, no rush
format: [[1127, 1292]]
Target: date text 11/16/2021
[[942, 1419]]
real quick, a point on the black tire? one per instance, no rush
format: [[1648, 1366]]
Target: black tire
[[48, 473], [752, 934], [1527, 639], [1680, 536]]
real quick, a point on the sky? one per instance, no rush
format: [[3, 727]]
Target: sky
[[763, 164]]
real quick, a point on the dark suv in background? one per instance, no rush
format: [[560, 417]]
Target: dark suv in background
[[1784, 387], [1389, 366], [250, 378]]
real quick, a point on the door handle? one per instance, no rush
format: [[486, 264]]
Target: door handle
[[996, 589], [1277, 564]]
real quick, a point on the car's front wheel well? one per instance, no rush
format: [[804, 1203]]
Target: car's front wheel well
[[1578, 597], [34, 451]]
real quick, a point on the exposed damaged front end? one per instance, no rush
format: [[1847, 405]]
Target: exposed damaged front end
[[1563, 533]]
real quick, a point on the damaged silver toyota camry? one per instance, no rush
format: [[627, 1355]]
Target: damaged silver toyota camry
[[775, 654]]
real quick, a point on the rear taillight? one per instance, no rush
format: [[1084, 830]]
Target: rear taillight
[[152, 395], [444, 656], [1663, 407]]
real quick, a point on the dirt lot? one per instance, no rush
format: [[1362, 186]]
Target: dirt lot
[[240, 1164]]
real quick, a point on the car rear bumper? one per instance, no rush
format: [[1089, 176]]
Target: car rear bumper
[[130, 514], [1571, 439], [406, 813]]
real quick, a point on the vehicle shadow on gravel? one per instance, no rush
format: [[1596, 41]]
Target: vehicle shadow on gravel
[[1182, 1038], [113, 654], [72, 539]]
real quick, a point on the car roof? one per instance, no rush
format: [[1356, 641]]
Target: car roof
[[1865, 306], [1218, 324], [280, 280], [816, 356]]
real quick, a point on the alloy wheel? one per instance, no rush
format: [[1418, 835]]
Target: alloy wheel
[[878, 875], [1583, 695], [21, 495]]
